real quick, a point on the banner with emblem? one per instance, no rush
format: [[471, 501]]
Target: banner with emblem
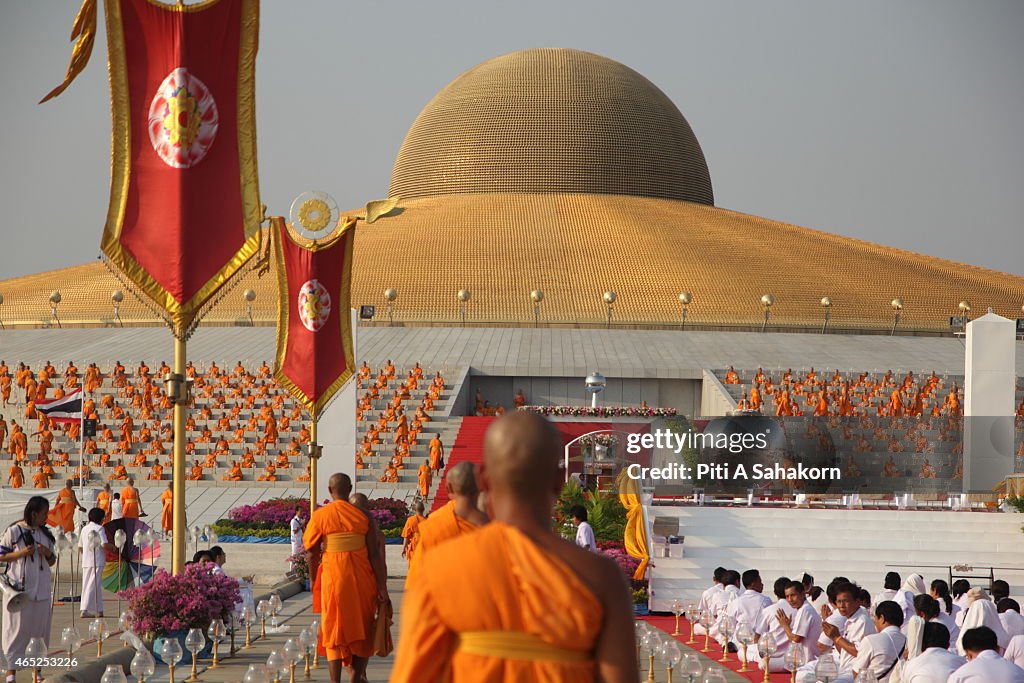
[[314, 323], [185, 212]]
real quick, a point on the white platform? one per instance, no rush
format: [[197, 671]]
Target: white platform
[[858, 544]]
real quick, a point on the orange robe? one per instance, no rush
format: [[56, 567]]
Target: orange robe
[[564, 625], [167, 514], [103, 503], [348, 588], [17, 477], [424, 478], [130, 502], [411, 532], [440, 526], [63, 512]]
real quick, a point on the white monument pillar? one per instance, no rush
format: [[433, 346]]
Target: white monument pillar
[[990, 377], [336, 430]]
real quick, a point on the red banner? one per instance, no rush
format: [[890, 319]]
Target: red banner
[[184, 210], [314, 321]]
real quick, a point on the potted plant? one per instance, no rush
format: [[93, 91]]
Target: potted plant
[[300, 567], [168, 606]]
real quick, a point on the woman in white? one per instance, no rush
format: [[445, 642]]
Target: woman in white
[[27, 547], [982, 612], [935, 662], [93, 542]]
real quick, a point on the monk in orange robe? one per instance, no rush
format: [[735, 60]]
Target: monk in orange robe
[[40, 479], [436, 449], [167, 511], [496, 629], [234, 474], [458, 517], [63, 512], [131, 505], [156, 473], [196, 473], [424, 478], [120, 472], [16, 476], [269, 473], [103, 499], [410, 532], [390, 475], [352, 581], [306, 475], [731, 377]]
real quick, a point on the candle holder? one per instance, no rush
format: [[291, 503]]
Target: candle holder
[[314, 628], [306, 641], [677, 609], [247, 616], [706, 620], [745, 636], [171, 653], [692, 616], [292, 653], [650, 642], [216, 634], [36, 652], [263, 610], [143, 665], [194, 641], [97, 629], [766, 647]]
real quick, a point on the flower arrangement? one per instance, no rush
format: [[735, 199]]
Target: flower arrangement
[[600, 411], [606, 440], [169, 603], [300, 565], [276, 511]]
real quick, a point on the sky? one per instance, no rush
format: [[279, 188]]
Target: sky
[[892, 122]]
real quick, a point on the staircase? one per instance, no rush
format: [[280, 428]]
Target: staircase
[[468, 446], [859, 544]]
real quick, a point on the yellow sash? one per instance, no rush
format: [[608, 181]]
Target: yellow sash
[[345, 542], [517, 645]]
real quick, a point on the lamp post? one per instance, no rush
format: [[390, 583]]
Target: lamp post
[[536, 296], [897, 307], [463, 296], [965, 312], [596, 383], [54, 300], [609, 300], [249, 297], [390, 295], [116, 297], [826, 305], [767, 301], [1, 321], [685, 299]]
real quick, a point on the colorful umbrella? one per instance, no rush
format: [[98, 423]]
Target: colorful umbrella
[[137, 561]]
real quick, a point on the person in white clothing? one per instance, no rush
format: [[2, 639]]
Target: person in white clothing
[[912, 587], [768, 626], [1009, 615], [830, 613], [802, 627], [891, 586], [857, 624], [880, 651], [1015, 651], [936, 662], [93, 562], [116, 507], [747, 607], [705, 598], [296, 527], [982, 612], [720, 601], [584, 532], [984, 665]]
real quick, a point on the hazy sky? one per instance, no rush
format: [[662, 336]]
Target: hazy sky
[[894, 122]]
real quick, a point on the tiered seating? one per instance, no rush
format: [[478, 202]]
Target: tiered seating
[[397, 422], [242, 426]]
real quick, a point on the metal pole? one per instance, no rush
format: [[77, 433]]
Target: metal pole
[[312, 465], [81, 451], [180, 415]]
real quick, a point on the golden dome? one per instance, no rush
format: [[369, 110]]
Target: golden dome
[[552, 120]]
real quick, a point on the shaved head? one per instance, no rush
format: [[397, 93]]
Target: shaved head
[[340, 486], [360, 501], [521, 455], [461, 480]]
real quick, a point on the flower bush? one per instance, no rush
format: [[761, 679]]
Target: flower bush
[[300, 565], [626, 562], [276, 511], [170, 603], [271, 518], [390, 513], [600, 411]]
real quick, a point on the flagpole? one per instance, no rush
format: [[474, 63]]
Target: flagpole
[[178, 462], [312, 464], [81, 449]]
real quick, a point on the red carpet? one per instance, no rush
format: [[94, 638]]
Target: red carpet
[[469, 445], [668, 624]]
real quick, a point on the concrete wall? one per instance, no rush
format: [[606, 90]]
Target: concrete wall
[[681, 394], [715, 400]]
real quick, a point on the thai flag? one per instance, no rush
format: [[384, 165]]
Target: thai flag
[[66, 409]]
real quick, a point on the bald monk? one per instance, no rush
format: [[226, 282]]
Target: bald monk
[[495, 628], [103, 499], [234, 474], [436, 449], [410, 532], [196, 473], [16, 476], [424, 478], [459, 516], [352, 582], [131, 506], [167, 511], [40, 479], [63, 512]]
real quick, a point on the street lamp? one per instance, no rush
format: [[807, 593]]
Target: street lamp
[[390, 295], [464, 296], [826, 304], [897, 307], [596, 383], [116, 297], [609, 299], [54, 300], [767, 300], [685, 299], [249, 296], [536, 296]]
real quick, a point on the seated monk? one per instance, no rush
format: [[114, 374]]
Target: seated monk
[[103, 461], [304, 434], [360, 465], [927, 471], [283, 462], [211, 460], [390, 475], [234, 474], [305, 476], [140, 460], [248, 460], [731, 377], [591, 639], [889, 469], [156, 473], [221, 447], [269, 473], [120, 472], [196, 472]]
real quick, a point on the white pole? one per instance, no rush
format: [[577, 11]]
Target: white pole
[[81, 452]]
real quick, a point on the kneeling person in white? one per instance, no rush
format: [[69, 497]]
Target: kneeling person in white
[[984, 664], [746, 609], [936, 662], [857, 624], [93, 562], [800, 623]]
